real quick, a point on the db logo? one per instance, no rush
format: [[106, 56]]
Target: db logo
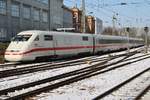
[[35, 44]]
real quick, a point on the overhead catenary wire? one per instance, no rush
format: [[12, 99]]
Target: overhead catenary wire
[[104, 7], [128, 18]]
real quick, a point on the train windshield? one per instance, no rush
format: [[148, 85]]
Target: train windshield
[[21, 38]]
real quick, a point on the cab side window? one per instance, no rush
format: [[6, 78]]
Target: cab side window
[[48, 37], [85, 38], [37, 38]]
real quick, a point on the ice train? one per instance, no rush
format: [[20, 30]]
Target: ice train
[[34, 44]]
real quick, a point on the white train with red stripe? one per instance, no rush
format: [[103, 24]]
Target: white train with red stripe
[[31, 45]]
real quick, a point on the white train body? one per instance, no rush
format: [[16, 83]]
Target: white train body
[[30, 45]]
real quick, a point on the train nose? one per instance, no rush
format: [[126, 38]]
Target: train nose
[[14, 58]]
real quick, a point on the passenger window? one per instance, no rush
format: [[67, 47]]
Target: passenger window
[[37, 38], [48, 37], [99, 41], [85, 38]]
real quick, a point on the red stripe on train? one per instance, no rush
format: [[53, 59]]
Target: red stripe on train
[[56, 49]]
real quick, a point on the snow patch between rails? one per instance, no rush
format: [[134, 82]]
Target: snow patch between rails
[[38, 76], [90, 88]]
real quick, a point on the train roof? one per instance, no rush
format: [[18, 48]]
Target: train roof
[[31, 32]]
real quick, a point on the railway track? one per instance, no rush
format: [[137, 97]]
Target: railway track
[[22, 70], [142, 93], [120, 85], [68, 78], [8, 65], [16, 64], [47, 66]]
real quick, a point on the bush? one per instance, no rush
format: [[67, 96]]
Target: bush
[[3, 47]]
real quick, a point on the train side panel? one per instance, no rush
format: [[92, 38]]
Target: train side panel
[[108, 43], [73, 44], [42, 45]]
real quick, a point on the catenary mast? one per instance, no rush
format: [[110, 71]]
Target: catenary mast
[[83, 15]]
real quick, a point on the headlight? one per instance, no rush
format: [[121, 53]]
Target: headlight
[[14, 50]]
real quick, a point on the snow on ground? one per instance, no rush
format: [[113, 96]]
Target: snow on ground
[[83, 90], [146, 96], [7, 63], [132, 89], [18, 80], [38, 75], [22, 79], [36, 64], [19, 66], [90, 88]]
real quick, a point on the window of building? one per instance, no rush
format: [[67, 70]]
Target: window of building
[[43, 1], [48, 37], [26, 12], [3, 33], [36, 15], [45, 16], [2, 6], [15, 10]]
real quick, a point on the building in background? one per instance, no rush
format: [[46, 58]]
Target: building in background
[[98, 26], [67, 17], [93, 25], [90, 24], [20, 15], [56, 14], [77, 14]]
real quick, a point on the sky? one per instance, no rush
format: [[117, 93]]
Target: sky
[[132, 13]]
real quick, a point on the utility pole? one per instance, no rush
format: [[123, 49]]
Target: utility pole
[[74, 4], [113, 21], [49, 15], [83, 16], [128, 44], [146, 39]]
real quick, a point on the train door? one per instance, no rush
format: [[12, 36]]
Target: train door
[[49, 47], [61, 45], [36, 45], [55, 45], [94, 45]]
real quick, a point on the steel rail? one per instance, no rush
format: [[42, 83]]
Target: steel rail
[[138, 97], [120, 85], [82, 76], [35, 68]]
